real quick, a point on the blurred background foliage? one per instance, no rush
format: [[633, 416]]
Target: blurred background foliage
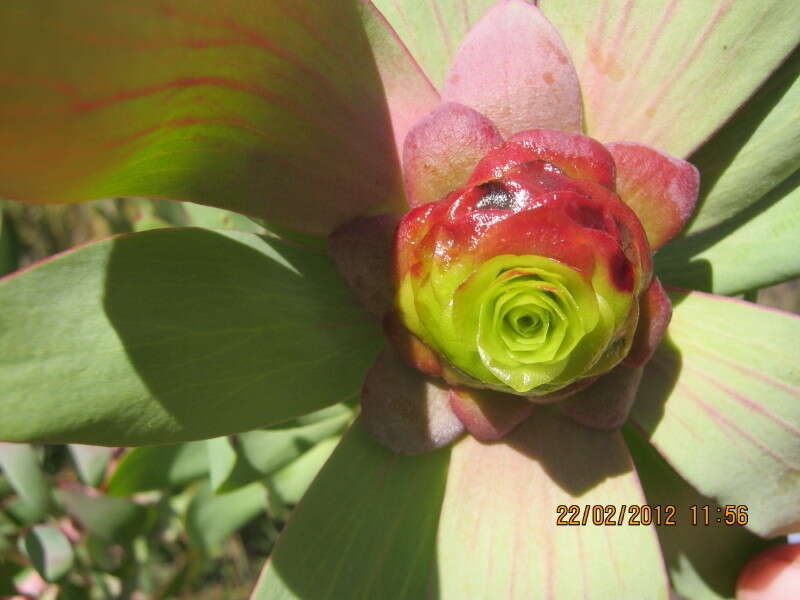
[[191, 520]]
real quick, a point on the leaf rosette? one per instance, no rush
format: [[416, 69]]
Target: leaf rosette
[[528, 278]]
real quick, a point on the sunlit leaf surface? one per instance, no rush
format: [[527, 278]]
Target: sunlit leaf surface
[[703, 558], [721, 402], [263, 108], [176, 334], [670, 73], [499, 538], [756, 248], [365, 528]]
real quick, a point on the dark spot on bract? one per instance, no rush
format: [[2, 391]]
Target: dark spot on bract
[[494, 195], [588, 216], [621, 272]]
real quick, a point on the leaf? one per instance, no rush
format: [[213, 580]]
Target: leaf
[[157, 467], [758, 149], [221, 461], [260, 108], [756, 248], [433, 31], [703, 560], [176, 327], [719, 400], [211, 518], [498, 536], [228, 470], [218, 218], [49, 551], [91, 462], [271, 449], [21, 468], [112, 519], [670, 74], [292, 481], [365, 528]]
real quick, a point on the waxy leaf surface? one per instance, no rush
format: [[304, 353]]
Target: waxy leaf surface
[[756, 248], [498, 535], [720, 400], [754, 152], [176, 334], [91, 462], [157, 467], [262, 108], [703, 559], [19, 464], [670, 73], [211, 518], [49, 551], [365, 528]]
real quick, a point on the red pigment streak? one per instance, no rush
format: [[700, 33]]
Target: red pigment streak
[[716, 415], [185, 82], [747, 402], [671, 78], [301, 17], [548, 77], [256, 39]]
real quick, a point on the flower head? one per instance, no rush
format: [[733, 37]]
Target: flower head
[[526, 279]]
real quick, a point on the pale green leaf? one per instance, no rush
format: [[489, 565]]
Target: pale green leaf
[[499, 537], [112, 519], [228, 468], [292, 481], [49, 551], [670, 74], [703, 560], [157, 467], [21, 467], [91, 462], [176, 334], [219, 218], [756, 248], [753, 153], [221, 461], [365, 529], [211, 518], [268, 450], [272, 109], [720, 400]]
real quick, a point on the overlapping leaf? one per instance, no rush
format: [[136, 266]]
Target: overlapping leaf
[[263, 108], [499, 534], [671, 73], [176, 334], [754, 249], [365, 529], [719, 401]]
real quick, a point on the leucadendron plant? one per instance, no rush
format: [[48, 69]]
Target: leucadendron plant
[[494, 178]]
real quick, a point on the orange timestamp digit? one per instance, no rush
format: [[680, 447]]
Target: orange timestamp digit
[[729, 514]]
